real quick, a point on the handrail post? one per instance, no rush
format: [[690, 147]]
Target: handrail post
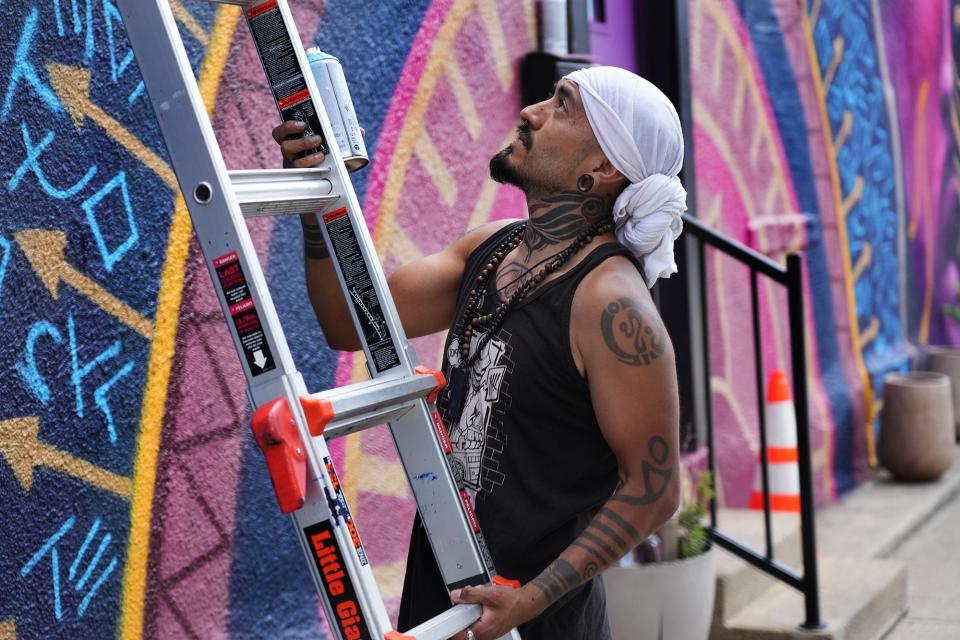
[[798, 362]]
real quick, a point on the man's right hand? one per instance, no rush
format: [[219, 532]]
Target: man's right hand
[[289, 136]]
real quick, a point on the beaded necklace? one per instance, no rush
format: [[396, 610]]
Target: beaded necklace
[[473, 322]]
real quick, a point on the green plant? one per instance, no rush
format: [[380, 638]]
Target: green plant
[[694, 539], [952, 311]]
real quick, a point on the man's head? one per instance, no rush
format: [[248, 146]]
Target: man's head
[[622, 132], [555, 146]]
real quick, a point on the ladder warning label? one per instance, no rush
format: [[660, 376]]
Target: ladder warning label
[[246, 320], [343, 511], [376, 333], [283, 70], [336, 583]]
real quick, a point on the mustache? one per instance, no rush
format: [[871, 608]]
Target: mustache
[[525, 134]]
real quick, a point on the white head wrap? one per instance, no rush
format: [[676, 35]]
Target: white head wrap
[[639, 131]]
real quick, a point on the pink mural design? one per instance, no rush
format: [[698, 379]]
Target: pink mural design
[[198, 467]]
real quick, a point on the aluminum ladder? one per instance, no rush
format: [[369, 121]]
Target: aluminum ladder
[[290, 425]]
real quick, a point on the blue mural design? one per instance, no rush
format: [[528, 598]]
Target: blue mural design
[[70, 366], [857, 87]]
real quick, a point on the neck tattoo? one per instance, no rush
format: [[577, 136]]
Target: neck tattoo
[[560, 218]]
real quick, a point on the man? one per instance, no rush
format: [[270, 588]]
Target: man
[[565, 423]]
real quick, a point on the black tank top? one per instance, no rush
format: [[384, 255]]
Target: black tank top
[[528, 447]]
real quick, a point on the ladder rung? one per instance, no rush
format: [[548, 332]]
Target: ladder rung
[[272, 192], [443, 626], [351, 408]]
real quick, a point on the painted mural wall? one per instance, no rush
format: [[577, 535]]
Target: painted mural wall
[[829, 128], [134, 502]]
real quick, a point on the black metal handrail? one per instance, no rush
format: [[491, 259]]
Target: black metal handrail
[[791, 278]]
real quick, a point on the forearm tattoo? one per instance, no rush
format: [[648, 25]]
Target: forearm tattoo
[[632, 332], [314, 246], [557, 579], [609, 536]]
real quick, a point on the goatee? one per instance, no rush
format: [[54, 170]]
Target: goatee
[[502, 172]]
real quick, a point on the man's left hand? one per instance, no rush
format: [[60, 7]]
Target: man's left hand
[[503, 609]]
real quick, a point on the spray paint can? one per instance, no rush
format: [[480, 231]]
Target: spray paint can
[[328, 74]]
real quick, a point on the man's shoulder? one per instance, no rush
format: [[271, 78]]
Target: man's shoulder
[[469, 242], [615, 277]]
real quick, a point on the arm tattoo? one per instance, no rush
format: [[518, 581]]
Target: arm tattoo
[[618, 520], [609, 536], [557, 579], [562, 217], [587, 533], [632, 333], [590, 569], [589, 549], [656, 476], [313, 245]]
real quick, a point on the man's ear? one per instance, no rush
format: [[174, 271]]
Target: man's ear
[[605, 173]]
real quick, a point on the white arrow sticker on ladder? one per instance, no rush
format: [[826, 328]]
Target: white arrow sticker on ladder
[[259, 359]]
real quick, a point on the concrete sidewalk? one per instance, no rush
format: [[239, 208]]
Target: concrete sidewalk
[[932, 556]]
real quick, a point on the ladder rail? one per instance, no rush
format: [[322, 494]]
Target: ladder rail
[[221, 230]]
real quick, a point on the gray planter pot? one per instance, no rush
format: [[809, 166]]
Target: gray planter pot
[[946, 360], [916, 425], [670, 600]]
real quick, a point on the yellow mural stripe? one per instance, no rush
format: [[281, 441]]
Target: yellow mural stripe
[[161, 358], [835, 60], [815, 12], [863, 261], [852, 198], [755, 140], [185, 18], [922, 207], [389, 578], [714, 211], [461, 93], [846, 128], [383, 476], [410, 130], [530, 17], [844, 241], [21, 447], [868, 334], [72, 86], [498, 42], [436, 168], [769, 199], [403, 247], [45, 251], [717, 63], [738, 100]]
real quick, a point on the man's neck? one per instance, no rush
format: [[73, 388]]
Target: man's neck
[[555, 220]]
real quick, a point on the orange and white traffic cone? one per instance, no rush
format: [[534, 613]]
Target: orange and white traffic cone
[[783, 471]]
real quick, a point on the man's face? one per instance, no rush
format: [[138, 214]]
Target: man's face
[[553, 141]]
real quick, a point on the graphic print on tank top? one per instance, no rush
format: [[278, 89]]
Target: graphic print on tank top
[[478, 439]]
